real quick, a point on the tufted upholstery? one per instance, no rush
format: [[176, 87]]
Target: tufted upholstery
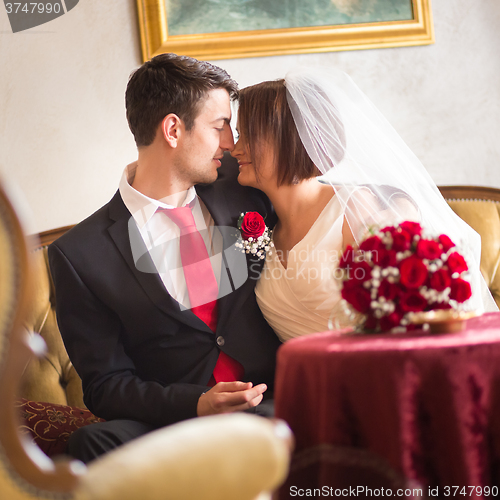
[[50, 378], [53, 378], [480, 208]]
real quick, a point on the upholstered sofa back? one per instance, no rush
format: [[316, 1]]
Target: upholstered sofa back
[[480, 208], [52, 378]]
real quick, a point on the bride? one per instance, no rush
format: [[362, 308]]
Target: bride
[[318, 123]]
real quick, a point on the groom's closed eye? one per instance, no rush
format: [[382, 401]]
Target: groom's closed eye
[[221, 123]]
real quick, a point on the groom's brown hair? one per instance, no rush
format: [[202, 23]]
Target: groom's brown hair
[[264, 117]]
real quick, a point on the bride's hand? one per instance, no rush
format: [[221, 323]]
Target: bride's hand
[[228, 397]]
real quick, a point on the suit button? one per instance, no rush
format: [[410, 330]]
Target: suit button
[[220, 341]]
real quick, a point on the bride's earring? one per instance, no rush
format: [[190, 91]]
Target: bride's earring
[[295, 180]]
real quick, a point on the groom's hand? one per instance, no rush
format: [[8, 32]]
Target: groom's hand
[[227, 397]]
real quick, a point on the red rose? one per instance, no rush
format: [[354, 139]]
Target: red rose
[[428, 249], [440, 280], [388, 290], [460, 290], [401, 241], [370, 322], [413, 228], [385, 258], [358, 297], [372, 243], [252, 225], [412, 302], [446, 242], [390, 321], [360, 271], [352, 284], [413, 272], [347, 257], [456, 263]]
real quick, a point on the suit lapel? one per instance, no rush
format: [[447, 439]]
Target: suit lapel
[[216, 202], [143, 269]]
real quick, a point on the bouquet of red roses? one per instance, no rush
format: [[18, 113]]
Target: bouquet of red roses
[[398, 271]]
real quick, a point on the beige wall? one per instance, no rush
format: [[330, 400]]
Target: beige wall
[[64, 138]]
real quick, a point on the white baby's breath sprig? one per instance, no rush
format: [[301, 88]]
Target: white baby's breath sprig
[[258, 247]]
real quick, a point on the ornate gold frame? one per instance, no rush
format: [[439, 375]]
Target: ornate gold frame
[[155, 39]]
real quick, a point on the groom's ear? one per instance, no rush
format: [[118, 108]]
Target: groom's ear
[[171, 128]]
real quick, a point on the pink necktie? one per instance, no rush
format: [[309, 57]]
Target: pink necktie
[[202, 286]]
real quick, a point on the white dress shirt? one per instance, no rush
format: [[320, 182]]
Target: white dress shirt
[[160, 233]]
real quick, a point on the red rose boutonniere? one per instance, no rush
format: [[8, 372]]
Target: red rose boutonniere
[[399, 271], [255, 236]]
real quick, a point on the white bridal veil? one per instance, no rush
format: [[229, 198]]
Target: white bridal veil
[[376, 177]]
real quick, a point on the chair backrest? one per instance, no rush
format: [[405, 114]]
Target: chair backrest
[[22, 464], [480, 208]]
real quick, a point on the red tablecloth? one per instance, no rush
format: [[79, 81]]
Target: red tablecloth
[[424, 408]]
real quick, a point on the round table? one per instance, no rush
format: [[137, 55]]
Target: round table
[[400, 410]]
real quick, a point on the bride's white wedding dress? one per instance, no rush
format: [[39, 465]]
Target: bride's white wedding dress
[[299, 299]]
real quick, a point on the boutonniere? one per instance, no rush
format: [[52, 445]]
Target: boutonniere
[[255, 236]]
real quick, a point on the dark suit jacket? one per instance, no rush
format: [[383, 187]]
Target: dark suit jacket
[[139, 356]]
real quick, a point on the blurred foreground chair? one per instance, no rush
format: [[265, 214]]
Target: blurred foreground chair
[[229, 457]]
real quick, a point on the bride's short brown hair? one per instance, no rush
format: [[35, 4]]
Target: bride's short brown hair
[[265, 117]]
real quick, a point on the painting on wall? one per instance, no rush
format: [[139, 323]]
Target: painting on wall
[[222, 29]]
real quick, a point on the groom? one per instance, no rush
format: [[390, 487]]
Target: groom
[[150, 302]]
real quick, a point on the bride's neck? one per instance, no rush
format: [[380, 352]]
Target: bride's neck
[[290, 202]]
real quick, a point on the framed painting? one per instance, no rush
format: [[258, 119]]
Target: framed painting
[[224, 29]]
